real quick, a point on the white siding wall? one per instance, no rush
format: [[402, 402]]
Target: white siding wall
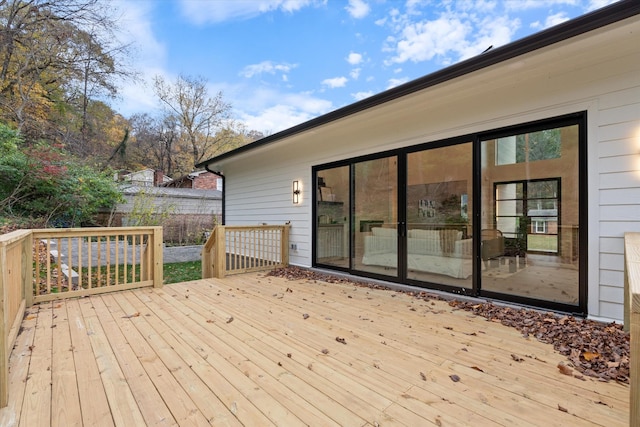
[[581, 74]]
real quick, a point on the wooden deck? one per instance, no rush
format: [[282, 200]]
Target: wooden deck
[[257, 351]]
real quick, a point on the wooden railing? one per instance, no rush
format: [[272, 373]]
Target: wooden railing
[[632, 319], [48, 264], [15, 282], [84, 261], [241, 249]]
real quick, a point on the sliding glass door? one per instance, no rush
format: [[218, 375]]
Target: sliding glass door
[[499, 214], [332, 217], [375, 216], [439, 221], [530, 215]]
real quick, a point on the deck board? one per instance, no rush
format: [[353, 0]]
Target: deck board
[[254, 350]]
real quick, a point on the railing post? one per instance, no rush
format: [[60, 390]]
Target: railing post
[[220, 253], [632, 319], [285, 245], [207, 248], [4, 352], [158, 263], [28, 278]]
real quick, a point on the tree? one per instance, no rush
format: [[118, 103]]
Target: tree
[[44, 181], [54, 57], [155, 142], [201, 116]]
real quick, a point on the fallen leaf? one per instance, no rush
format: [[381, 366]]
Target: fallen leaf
[[136, 314], [477, 369], [454, 378], [516, 358], [562, 409], [230, 319], [589, 356], [325, 351], [209, 321], [564, 369], [423, 376], [305, 316], [341, 340]]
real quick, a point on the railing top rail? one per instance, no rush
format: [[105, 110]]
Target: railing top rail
[[92, 231], [251, 227], [632, 259], [14, 236]]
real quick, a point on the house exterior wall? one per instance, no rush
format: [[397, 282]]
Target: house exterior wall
[[206, 181], [597, 72]]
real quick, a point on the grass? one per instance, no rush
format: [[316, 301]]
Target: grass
[[182, 271], [542, 242]]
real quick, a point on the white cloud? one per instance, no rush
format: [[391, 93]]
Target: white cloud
[[266, 67], [358, 9], [452, 36], [271, 111], [361, 95], [396, 82], [150, 57], [201, 12], [354, 58], [421, 41], [597, 4], [550, 21], [521, 5], [335, 82], [355, 73]]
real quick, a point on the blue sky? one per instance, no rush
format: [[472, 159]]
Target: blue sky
[[282, 62]]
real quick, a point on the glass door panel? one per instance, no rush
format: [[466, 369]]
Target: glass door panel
[[332, 213], [530, 216], [375, 216], [439, 220]]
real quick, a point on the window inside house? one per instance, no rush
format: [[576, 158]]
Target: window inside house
[[529, 147]]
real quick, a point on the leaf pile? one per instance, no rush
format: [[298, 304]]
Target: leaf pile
[[595, 349]]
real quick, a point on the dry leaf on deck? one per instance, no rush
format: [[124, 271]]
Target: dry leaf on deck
[[564, 369]]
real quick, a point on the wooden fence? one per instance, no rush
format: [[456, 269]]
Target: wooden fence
[[632, 319], [241, 249], [43, 265]]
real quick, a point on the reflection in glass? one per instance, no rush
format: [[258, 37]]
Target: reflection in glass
[[376, 216], [529, 214], [332, 213], [439, 189]]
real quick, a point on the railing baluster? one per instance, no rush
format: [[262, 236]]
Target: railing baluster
[[125, 244], [79, 285], [89, 261]]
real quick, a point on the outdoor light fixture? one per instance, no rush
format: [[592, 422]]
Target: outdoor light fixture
[[296, 192]]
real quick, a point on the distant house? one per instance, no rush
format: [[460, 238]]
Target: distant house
[[199, 180], [435, 183], [143, 178]]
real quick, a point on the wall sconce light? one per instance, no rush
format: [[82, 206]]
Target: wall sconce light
[[296, 192]]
